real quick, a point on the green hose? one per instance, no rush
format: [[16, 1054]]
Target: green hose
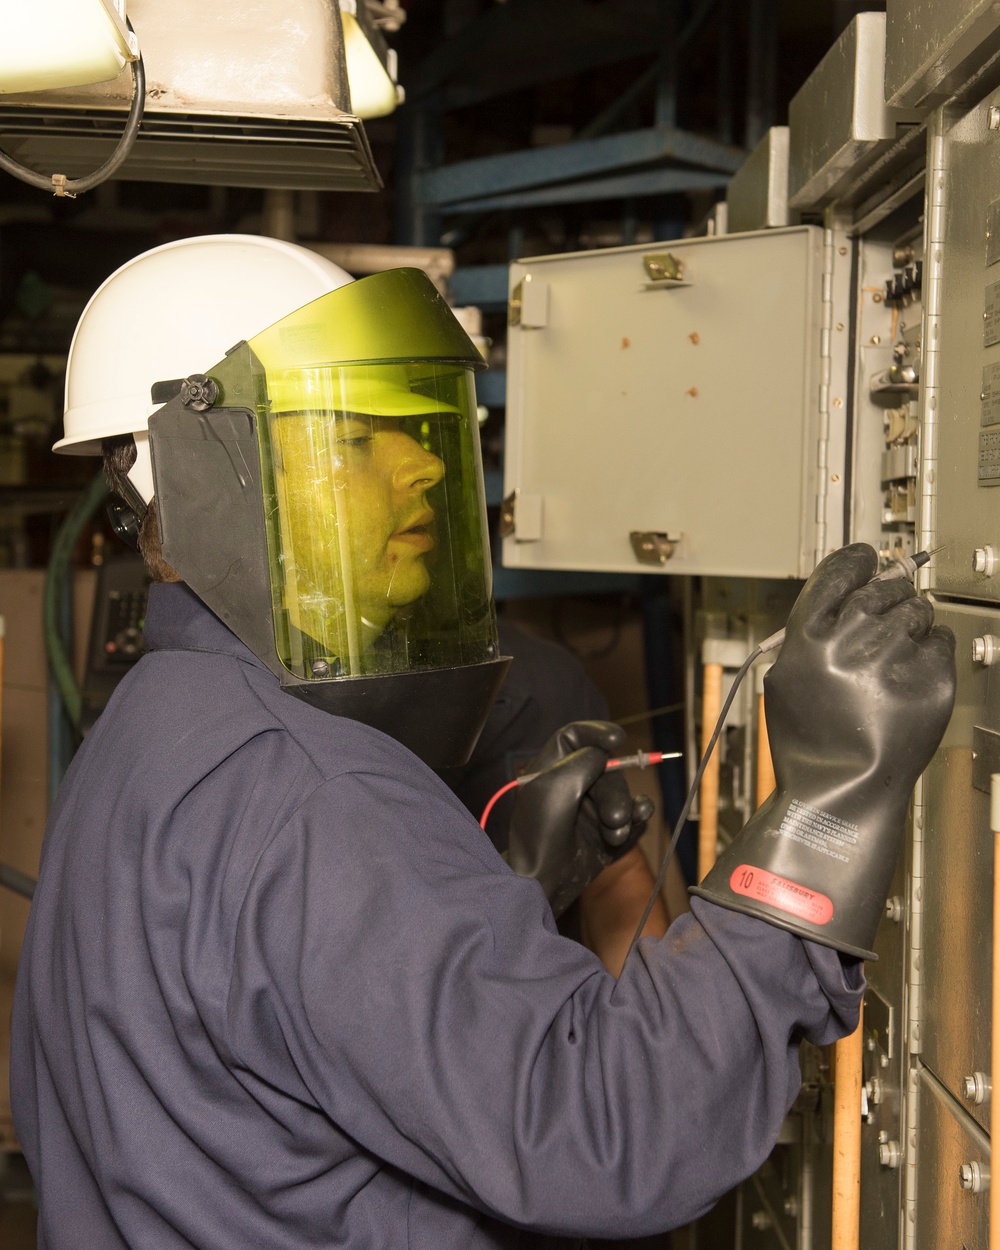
[[57, 575]]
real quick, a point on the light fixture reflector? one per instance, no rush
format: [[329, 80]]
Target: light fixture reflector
[[373, 89], [62, 43]]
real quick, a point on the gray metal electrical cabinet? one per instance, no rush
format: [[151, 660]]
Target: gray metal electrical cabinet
[[667, 412], [965, 419], [932, 45], [953, 998]]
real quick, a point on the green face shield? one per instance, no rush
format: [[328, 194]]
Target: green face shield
[[372, 491], [372, 483], [366, 471]]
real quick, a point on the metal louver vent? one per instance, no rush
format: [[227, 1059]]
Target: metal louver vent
[[196, 148]]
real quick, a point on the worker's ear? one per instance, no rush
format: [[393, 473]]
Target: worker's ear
[[124, 522]]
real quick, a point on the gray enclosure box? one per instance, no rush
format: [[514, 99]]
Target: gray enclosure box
[[967, 341], [931, 46], [757, 195], [839, 116], [685, 409]]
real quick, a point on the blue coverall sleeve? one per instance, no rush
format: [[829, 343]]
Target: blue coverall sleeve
[[419, 992]]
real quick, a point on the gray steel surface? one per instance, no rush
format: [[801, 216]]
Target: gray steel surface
[[931, 45], [957, 887], [968, 349], [947, 1215], [839, 114], [757, 196]]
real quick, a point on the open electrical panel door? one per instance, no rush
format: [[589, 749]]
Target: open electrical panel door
[[666, 409]]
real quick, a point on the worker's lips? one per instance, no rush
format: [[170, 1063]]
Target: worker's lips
[[418, 536]]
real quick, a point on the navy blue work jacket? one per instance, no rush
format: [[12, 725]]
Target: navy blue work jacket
[[279, 991]]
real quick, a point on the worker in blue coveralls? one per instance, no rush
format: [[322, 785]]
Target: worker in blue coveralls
[[278, 989]]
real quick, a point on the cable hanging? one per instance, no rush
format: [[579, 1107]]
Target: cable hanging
[[70, 188]]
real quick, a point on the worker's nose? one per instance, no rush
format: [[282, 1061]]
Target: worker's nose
[[414, 467]]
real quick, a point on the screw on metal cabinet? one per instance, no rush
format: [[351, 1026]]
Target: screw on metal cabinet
[[976, 1088], [791, 1207], [974, 1176], [993, 117], [984, 560], [985, 649], [761, 1221], [894, 909], [889, 1154]]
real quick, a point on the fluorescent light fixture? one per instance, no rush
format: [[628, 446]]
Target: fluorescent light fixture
[[62, 43], [371, 79]]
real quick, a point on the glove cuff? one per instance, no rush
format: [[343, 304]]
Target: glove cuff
[[803, 868]]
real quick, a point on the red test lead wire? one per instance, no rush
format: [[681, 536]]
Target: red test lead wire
[[641, 759]]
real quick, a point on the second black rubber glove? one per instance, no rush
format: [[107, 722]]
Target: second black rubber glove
[[574, 819], [856, 704]]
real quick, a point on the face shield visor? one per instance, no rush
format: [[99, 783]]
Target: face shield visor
[[370, 506], [378, 555]]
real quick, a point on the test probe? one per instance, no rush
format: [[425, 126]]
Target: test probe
[[641, 759]]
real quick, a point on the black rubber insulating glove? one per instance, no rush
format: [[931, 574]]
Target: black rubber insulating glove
[[856, 704], [574, 819]]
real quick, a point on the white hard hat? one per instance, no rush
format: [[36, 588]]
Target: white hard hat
[[171, 312]]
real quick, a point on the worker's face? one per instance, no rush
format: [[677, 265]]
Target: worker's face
[[357, 521]]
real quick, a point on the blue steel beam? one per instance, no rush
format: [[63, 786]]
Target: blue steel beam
[[538, 167], [649, 182]]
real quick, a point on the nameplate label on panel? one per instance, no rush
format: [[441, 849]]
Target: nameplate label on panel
[[991, 315], [989, 457], [989, 396]]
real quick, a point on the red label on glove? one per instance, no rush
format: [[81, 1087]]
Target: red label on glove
[[767, 887]]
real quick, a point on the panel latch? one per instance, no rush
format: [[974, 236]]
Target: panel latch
[[664, 269], [653, 547]]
